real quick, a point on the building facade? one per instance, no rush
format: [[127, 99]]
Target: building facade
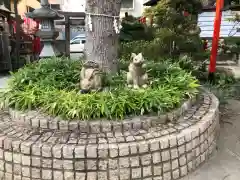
[[25, 6], [228, 28], [133, 7]]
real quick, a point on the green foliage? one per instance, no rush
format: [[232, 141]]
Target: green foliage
[[233, 44], [175, 32], [56, 73], [150, 49], [223, 80], [224, 87], [49, 86], [156, 50], [133, 30]]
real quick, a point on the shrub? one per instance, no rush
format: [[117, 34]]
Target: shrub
[[225, 86], [56, 72], [197, 68], [156, 50], [150, 49], [49, 86], [133, 30], [176, 31]]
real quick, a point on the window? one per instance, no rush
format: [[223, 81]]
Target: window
[[127, 4], [30, 9], [76, 41], [55, 6]]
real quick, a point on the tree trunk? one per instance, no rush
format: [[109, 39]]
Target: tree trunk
[[102, 42]]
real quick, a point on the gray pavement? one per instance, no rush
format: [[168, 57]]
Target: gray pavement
[[3, 81]]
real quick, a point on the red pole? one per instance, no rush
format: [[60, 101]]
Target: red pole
[[217, 25]]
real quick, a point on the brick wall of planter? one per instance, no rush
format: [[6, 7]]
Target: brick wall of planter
[[158, 152], [35, 119]]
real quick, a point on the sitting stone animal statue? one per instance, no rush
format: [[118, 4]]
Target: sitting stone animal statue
[[137, 76], [91, 77]]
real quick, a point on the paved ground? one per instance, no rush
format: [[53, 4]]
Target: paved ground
[[3, 80], [225, 162]]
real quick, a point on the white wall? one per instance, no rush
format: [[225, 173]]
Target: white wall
[[73, 5], [228, 28]]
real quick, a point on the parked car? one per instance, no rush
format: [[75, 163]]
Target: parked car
[[77, 44], [82, 36]]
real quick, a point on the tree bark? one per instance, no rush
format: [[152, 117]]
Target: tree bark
[[102, 42]]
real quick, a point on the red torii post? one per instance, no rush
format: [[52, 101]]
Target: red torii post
[[216, 32]]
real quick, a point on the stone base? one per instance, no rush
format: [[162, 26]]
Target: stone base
[[49, 50], [159, 152]]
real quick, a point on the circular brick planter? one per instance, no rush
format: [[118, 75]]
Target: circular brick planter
[[33, 149]]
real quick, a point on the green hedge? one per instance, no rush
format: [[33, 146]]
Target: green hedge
[[150, 49], [133, 30]]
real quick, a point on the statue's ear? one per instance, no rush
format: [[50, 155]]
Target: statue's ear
[[133, 55]]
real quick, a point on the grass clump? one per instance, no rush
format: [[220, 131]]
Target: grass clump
[[56, 73], [50, 86]]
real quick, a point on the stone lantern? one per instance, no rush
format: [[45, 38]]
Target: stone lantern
[[47, 31]]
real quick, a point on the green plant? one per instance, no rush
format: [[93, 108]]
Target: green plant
[[224, 87], [175, 31], [49, 86], [58, 73], [152, 50], [133, 30]]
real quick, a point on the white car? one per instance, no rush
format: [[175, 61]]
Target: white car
[[77, 44]]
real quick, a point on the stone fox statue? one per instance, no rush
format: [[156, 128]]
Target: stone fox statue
[[91, 78], [137, 76]]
